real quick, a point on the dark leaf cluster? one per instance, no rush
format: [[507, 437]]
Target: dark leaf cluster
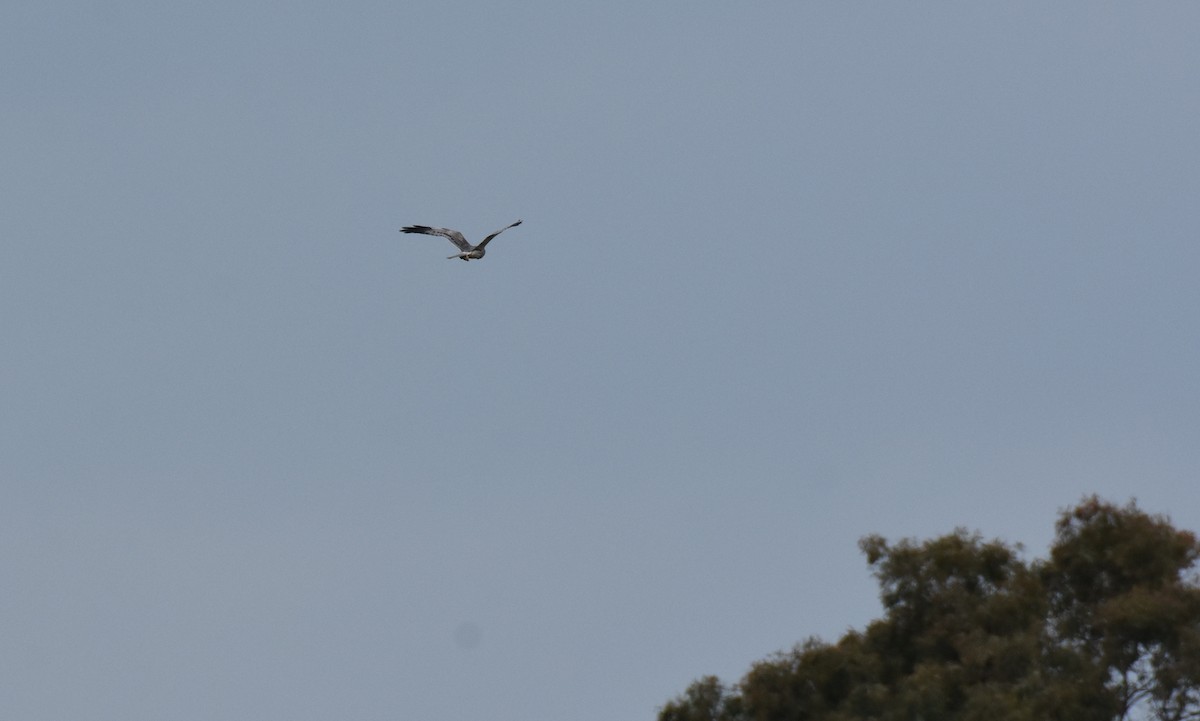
[[1108, 627]]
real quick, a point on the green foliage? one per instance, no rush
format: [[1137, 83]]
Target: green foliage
[[1120, 599], [704, 700], [1107, 628]]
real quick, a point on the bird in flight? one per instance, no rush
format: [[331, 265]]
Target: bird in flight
[[469, 252]]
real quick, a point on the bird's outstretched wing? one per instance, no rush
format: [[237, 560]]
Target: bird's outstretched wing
[[454, 236], [488, 239]]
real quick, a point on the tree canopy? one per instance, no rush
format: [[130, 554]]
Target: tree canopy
[[1106, 628]]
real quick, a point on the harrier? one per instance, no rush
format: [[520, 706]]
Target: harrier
[[469, 252]]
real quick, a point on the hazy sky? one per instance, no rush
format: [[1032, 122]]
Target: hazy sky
[[790, 273]]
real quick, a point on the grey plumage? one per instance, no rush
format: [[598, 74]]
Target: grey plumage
[[469, 252]]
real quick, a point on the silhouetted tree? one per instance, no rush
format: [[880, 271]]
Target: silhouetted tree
[[1123, 607], [705, 700], [1108, 626]]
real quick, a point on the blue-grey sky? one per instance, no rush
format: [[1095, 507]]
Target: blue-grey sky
[[790, 273]]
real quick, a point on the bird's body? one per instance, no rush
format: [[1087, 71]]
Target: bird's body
[[469, 252]]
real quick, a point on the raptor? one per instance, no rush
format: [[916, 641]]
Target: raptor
[[469, 252]]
